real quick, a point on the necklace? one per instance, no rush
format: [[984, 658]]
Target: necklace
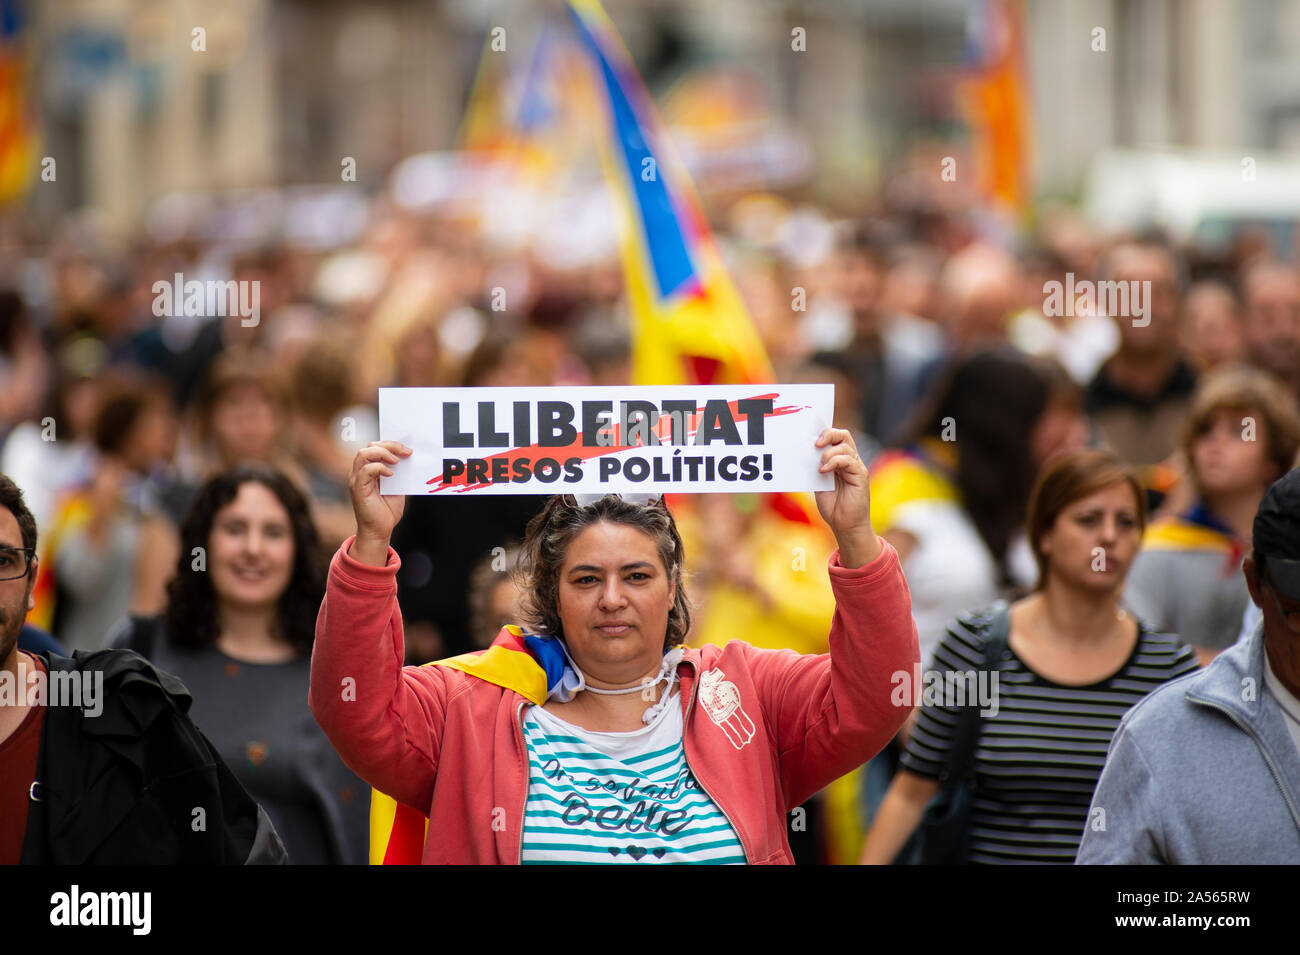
[[631, 689], [667, 671]]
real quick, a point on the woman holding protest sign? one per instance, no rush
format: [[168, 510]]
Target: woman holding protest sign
[[1029, 696], [598, 736]]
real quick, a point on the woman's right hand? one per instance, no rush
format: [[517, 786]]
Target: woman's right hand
[[377, 514]]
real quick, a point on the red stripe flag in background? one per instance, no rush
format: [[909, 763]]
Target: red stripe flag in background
[[17, 134], [996, 102]]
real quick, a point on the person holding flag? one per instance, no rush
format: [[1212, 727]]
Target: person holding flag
[[596, 735]]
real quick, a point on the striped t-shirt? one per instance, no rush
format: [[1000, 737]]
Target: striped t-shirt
[[1039, 757], [618, 797]]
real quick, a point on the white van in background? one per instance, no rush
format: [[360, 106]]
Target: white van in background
[[1197, 197]]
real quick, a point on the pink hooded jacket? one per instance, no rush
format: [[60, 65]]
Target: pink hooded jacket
[[764, 729]]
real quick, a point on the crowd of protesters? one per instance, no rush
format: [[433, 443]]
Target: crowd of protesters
[[147, 444]]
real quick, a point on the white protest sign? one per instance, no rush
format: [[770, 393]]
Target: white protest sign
[[664, 439]]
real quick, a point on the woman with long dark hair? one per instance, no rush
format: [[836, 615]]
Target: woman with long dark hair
[[952, 499], [238, 630]]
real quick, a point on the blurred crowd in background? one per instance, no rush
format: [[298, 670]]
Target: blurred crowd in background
[[113, 416]]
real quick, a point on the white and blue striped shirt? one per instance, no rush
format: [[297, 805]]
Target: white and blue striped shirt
[[618, 797]]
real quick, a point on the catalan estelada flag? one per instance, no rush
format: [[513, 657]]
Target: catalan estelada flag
[[526, 663], [485, 126], [72, 510], [529, 119], [995, 100], [17, 131], [689, 323]]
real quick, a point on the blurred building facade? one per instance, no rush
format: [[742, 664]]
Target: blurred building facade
[[284, 90]]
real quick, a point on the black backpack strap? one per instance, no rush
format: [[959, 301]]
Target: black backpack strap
[[961, 758]]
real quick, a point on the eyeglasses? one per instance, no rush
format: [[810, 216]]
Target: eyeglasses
[[16, 562], [586, 500], [1290, 617]]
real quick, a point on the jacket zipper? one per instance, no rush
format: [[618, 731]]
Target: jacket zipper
[[519, 735], [686, 722], [1277, 778]]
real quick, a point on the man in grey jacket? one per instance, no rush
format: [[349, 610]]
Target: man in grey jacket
[[1206, 770]]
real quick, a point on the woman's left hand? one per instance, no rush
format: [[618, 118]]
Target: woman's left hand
[[847, 509]]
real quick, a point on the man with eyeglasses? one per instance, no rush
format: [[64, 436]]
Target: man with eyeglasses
[[98, 762], [1206, 770]]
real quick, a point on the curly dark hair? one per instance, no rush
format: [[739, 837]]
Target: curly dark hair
[[547, 541], [11, 498], [191, 617]]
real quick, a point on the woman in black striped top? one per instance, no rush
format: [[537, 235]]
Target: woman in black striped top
[[1074, 664]]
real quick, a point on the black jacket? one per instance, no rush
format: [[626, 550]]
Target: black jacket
[[138, 783]]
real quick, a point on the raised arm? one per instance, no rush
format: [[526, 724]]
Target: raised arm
[[847, 508], [385, 720], [831, 713]]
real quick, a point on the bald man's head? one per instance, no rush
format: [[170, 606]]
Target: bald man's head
[[981, 287]]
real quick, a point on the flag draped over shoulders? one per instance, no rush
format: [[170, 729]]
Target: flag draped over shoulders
[[526, 663]]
